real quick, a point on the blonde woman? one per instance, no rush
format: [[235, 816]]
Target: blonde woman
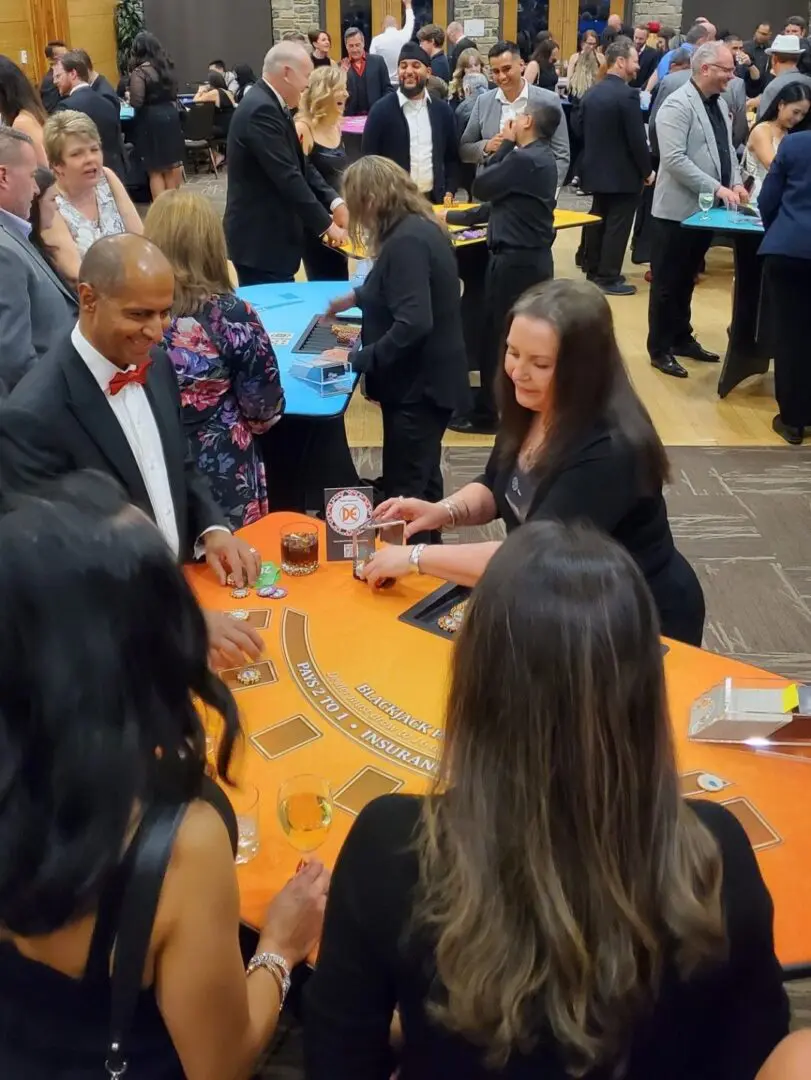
[[554, 908], [228, 375], [584, 67], [318, 124], [411, 349], [469, 63], [91, 200]]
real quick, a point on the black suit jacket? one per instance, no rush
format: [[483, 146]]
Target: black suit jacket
[[648, 62], [458, 49], [386, 134], [48, 92], [364, 92], [105, 88], [274, 192], [412, 348], [616, 159], [56, 421], [106, 117]]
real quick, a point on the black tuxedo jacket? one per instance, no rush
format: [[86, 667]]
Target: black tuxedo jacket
[[106, 117], [56, 421], [616, 158], [274, 192], [386, 133], [364, 92], [105, 88], [457, 50], [648, 62]]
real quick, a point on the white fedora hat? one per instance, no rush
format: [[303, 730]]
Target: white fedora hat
[[785, 45]]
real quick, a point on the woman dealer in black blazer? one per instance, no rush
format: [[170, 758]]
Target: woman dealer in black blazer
[[411, 348], [574, 444]]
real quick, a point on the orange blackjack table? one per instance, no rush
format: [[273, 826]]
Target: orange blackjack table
[[353, 694]]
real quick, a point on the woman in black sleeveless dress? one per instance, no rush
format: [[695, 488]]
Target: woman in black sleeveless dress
[[318, 124], [216, 92], [104, 752], [157, 133]]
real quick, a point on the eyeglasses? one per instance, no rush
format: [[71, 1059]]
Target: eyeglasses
[[726, 70]]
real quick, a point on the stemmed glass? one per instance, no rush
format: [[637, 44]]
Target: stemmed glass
[[305, 807], [705, 201]]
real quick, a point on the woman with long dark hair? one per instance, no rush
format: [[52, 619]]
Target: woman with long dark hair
[[553, 908], [787, 111], [542, 69], [157, 134], [103, 676], [246, 78], [216, 91], [574, 443], [49, 233], [21, 107]]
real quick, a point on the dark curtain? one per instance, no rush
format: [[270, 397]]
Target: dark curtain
[[196, 31], [741, 16]]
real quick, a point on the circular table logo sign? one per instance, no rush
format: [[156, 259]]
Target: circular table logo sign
[[347, 511]]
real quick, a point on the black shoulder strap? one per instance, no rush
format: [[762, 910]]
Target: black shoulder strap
[[137, 916]]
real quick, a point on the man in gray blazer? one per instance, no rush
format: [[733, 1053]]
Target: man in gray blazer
[[491, 111], [36, 308], [696, 155], [734, 96]]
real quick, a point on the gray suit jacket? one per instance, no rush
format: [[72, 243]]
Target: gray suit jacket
[[776, 85], [688, 153], [36, 307], [734, 96], [485, 122]]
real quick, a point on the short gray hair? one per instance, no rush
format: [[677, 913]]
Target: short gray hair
[[707, 53], [474, 84], [282, 55], [352, 31], [11, 142]]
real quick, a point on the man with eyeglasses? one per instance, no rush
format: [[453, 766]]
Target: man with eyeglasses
[[694, 132]]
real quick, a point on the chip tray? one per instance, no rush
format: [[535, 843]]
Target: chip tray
[[428, 611], [318, 337]]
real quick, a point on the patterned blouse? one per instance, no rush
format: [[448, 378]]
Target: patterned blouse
[[86, 232], [230, 391]]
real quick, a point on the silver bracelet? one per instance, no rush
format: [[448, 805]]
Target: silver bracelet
[[415, 556], [451, 508], [277, 966]]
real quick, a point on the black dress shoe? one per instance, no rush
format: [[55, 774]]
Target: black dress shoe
[[669, 365], [693, 351], [793, 435], [473, 425]]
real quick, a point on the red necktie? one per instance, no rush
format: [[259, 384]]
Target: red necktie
[[124, 378]]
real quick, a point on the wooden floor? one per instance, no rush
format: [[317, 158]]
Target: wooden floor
[[686, 412]]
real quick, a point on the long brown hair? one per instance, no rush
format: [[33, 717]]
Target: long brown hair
[[187, 229], [466, 58], [379, 194], [590, 385], [561, 868]]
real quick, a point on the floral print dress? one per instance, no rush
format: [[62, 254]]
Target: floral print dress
[[230, 391]]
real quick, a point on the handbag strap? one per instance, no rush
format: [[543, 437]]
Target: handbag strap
[[137, 915]]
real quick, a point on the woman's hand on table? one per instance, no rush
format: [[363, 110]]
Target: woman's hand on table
[[341, 303], [335, 354], [390, 561], [230, 641], [295, 916], [420, 515], [340, 215]]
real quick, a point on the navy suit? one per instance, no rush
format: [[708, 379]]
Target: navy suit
[[785, 204], [386, 134]]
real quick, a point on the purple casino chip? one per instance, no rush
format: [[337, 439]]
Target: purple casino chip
[[272, 592]]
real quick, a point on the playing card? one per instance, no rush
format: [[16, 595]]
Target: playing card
[[257, 618]]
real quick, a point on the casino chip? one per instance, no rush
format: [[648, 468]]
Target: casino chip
[[240, 594], [248, 677], [272, 592], [452, 621]]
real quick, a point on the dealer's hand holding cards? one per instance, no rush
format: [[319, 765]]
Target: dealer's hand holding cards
[[420, 515], [228, 556], [391, 561]]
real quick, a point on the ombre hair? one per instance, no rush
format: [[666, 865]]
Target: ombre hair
[[560, 868], [379, 194]]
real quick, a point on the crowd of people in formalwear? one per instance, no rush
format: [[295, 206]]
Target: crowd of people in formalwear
[[627, 932]]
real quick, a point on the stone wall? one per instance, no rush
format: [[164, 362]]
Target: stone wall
[[667, 12], [294, 15], [480, 9]]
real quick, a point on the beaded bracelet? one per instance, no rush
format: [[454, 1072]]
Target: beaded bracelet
[[277, 966]]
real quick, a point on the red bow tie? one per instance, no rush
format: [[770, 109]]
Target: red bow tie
[[125, 378]]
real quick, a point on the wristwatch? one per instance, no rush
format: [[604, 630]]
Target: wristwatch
[[415, 556]]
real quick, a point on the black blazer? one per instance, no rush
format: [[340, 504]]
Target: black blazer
[[105, 88], [274, 192], [412, 348], [458, 49], [56, 421], [106, 117], [648, 62], [48, 92], [386, 133], [440, 67], [616, 159], [364, 92]]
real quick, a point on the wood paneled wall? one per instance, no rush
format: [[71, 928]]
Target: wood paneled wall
[[26, 26]]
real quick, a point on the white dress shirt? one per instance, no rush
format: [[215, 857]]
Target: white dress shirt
[[389, 43], [415, 111], [134, 414], [78, 86], [511, 109]]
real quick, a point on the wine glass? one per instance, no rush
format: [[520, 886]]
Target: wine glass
[[705, 201], [305, 811]]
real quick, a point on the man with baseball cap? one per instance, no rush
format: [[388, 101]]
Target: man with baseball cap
[[786, 52], [414, 129]]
